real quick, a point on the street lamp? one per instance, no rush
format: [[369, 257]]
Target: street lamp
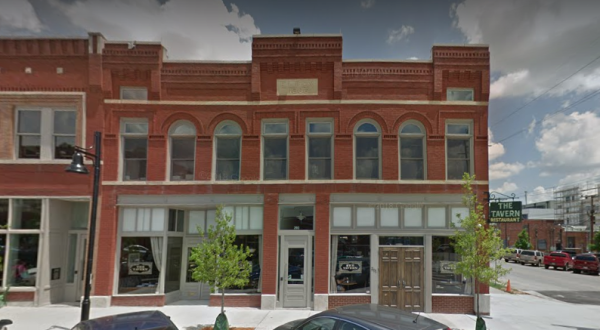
[[77, 166]]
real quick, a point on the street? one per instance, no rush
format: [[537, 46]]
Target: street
[[557, 284]]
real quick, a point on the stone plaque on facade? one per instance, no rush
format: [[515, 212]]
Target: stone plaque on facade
[[297, 87]]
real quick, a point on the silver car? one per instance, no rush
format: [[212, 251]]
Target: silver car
[[533, 257], [513, 255]]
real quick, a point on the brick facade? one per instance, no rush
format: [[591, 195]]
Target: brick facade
[[207, 93]]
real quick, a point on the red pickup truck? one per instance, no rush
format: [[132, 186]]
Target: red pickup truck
[[558, 260]]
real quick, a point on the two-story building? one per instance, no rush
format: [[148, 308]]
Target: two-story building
[[342, 176]]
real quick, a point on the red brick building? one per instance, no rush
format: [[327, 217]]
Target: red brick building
[[342, 176]]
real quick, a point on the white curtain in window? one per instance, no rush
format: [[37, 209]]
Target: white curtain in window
[[334, 249], [156, 243]]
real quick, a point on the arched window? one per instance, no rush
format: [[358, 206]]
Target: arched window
[[367, 151], [412, 151], [228, 146], [182, 142]]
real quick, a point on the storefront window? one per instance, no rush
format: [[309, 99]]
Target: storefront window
[[2, 250], [400, 240], [296, 218], [27, 214], [3, 214], [444, 259], [173, 274], [140, 264], [253, 243], [22, 257], [351, 263]]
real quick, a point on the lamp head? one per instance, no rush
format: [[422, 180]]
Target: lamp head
[[77, 165]]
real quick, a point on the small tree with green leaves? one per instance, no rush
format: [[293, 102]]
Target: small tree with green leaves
[[523, 240], [219, 262], [595, 246], [478, 244]]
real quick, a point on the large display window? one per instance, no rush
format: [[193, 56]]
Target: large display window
[[351, 263], [444, 259]]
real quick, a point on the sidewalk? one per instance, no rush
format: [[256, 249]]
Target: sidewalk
[[509, 311]]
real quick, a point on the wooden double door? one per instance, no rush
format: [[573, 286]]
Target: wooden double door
[[401, 278]]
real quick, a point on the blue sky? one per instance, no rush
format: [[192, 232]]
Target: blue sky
[[544, 118]]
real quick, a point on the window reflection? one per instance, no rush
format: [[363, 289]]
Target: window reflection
[[351, 266], [22, 257], [140, 264], [444, 260], [252, 242]]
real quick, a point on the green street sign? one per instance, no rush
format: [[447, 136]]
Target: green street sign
[[505, 212]]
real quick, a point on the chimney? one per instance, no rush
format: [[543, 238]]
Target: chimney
[[296, 30]]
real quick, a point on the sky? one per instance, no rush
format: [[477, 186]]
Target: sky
[[544, 123]]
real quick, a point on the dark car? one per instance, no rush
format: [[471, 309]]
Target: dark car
[[146, 320], [364, 317]]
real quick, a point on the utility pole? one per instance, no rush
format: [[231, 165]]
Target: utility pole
[[525, 197], [592, 220]]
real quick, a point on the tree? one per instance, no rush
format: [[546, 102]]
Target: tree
[[219, 262], [595, 246], [523, 240], [478, 245]]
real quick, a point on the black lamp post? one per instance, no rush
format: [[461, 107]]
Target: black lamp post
[[77, 166]]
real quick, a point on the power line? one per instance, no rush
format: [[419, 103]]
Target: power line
[[581, 100], [551, 88]]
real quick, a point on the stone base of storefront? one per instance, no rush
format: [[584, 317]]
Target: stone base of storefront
[[139, 300], [321, 302], [100, 301], [348, 299], [236, 300]]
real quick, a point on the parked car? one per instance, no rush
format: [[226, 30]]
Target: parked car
[[558, 260], [533, 257], [146, 320], [513, 255], [587, 263], [364, 317]]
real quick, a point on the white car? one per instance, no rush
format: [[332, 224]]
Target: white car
[[533, 257]]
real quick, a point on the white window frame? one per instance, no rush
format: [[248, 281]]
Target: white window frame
[[286, 135], [354, 136], [226, 136], [468, 137], [46, 132], [309, 135], [170, 148], [122, 138], [422, 135], [460, 89], [122, 89]]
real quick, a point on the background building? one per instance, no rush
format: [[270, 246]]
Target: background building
[[342, 176]]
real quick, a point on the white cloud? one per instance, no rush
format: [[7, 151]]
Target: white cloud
[[507, 187], [367, 3], [549, 39], [19, 14], [540, 194], [402, 33], [413, 58], [495, 150], [198, 30], [531, 126], [568, 144], [508, 84], [503, 170]]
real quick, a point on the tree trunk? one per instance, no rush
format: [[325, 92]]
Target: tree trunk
[[222, 301]]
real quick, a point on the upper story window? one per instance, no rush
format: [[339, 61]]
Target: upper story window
[[412, 151], [134, 135], [228, 141], [459, 94], [458, 149], [320, 149], [275, 150], [182, 138], [134, 93], [367, 152], [46, 133]]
